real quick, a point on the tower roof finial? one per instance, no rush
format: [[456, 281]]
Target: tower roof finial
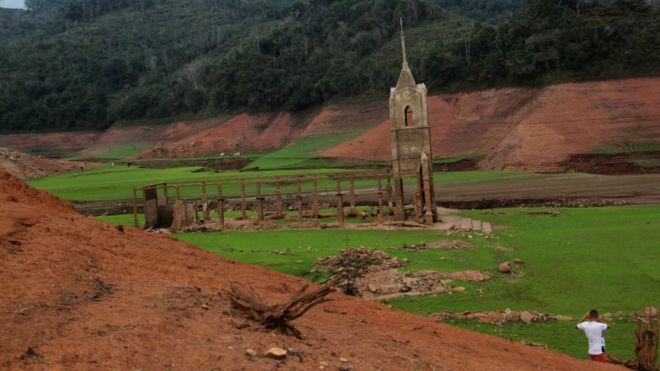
[[403, 46]]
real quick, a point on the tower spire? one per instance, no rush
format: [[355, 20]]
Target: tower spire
[[403, 46]]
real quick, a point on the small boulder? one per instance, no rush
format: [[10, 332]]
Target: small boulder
[[526, 317], [276, 353], [372, 288], [505, 268], [459, 289], [251, 352]]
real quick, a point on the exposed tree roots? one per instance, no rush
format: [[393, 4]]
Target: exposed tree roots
[[245, 300]]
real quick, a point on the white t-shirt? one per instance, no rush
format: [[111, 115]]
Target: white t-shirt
[[594, 332]]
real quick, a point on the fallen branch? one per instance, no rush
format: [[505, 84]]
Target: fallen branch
[[278, 316]]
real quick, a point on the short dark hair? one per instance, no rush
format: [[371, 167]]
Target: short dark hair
[[593, 313]]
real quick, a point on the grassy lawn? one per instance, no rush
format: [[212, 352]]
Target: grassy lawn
[[605, 258], [304, 149], [116, 182], [304, 246]]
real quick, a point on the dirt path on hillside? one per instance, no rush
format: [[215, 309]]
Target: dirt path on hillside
[[81, 294]]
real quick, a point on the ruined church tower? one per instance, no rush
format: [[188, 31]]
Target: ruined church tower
[[411, 143]]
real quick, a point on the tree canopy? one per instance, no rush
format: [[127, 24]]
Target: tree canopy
[[76, 64]]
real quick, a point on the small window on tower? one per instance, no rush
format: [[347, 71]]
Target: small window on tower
[[408, 120]]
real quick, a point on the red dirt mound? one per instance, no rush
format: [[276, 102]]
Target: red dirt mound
[[241, 133], [14, 190], [27, 166], [80, 294], [531, 129]]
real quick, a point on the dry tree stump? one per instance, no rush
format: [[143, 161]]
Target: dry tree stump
[[646, 348], [246, 301]]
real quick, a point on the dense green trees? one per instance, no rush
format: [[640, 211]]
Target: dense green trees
[[73, 64], [491, 11]]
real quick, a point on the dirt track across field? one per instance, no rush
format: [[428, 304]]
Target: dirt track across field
[[79, 294], [633, 189]]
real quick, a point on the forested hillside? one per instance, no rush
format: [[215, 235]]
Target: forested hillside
[[72, 64], [488, 11]]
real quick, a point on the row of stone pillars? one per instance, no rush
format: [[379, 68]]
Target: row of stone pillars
[[299, 205], [384, 198]]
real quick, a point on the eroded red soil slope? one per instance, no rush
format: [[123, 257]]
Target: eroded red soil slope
[[146, 135], [80, 294], [531, 129], [244, 132]]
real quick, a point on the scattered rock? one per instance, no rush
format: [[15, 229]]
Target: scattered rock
[[251, 352], [518, 261], [648, 314], [459, 289], [526, 317], [343, 360], [501, 317], [204, 226], [505, 268], [276, 353], [443, 244]]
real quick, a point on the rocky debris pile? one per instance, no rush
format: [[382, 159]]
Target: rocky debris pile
[[375, 260], [27, 166], [204, 226], [374, 275], [502, 317], [392, 283], [573, 203], [443, 244], [353, 264]]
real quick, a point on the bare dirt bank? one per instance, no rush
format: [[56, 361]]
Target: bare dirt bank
[[531, 129], [81, 294]]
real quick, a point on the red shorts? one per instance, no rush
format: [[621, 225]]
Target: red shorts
[[599, 357]]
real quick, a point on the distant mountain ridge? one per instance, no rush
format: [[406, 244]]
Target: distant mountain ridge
[[69, 64]]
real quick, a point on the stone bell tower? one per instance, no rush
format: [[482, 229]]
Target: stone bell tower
[[411, 143]]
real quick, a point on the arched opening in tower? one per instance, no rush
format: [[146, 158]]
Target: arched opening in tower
[[408, 119]]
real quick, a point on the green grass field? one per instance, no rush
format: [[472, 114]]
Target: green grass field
[[117, 182], [301, 151], [605, 258]]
